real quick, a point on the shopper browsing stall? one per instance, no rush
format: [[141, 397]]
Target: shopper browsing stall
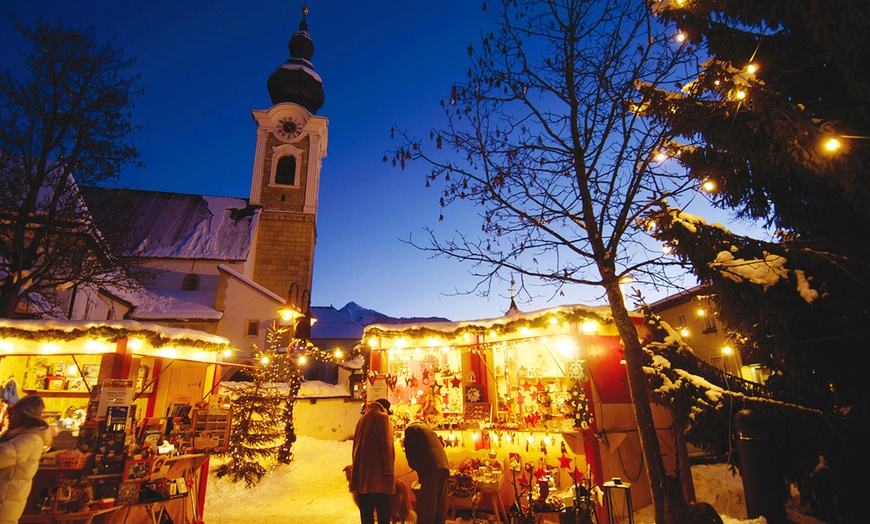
[[20, 449], [426, 456], [373, 474]]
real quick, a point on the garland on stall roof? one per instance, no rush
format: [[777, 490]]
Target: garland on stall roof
[[499, 328], [155, 339]]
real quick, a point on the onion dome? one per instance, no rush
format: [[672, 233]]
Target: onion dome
[[295, 80]]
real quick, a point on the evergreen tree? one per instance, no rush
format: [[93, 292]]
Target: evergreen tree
[[783, 79], [258, 416]]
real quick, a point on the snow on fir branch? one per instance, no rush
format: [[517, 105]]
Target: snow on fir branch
[[703, 399]]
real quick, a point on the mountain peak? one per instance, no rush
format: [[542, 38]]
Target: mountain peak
[[364, 316]]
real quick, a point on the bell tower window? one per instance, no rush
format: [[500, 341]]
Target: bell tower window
[[285, 173]]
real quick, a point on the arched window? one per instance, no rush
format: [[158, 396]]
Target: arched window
[[285, 173], [190, 282]]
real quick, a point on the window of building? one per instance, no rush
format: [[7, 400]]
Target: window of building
[[709, 323], [190, 282], [681, 321], [285, 173], [252, 328]]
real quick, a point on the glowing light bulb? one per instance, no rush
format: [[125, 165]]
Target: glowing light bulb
[[709, 186], [752, 68], [832, 144], [680, 37]]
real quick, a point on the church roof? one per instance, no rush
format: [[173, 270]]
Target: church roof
[[177, 225]]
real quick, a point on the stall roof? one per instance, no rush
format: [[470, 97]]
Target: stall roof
[[64, 337], [502, 325]]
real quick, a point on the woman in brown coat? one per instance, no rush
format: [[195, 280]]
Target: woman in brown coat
[[426, 456], [373, 475]]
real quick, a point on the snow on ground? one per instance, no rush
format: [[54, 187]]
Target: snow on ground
[[312, 489]]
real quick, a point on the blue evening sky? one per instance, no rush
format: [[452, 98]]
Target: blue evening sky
[[204, 67]]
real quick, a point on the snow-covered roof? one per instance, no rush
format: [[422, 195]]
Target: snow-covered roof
[[32, 337], [601, 313], [164, 304], [333, 324], [176, 225]]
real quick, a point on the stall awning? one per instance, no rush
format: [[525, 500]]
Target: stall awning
[[77, 337]]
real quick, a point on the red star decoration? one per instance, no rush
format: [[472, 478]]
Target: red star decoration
[[527, 386], [520, 398], [455, 382], [565, 461], [577, 475], [540, 472], [523, 480]]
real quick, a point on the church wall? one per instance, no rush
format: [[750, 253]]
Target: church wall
[[285, 252]]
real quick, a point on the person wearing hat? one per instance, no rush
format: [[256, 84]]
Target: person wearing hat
[[20, 449], [373, 474]]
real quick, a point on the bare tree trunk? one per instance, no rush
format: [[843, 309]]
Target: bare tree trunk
[[649, 442]]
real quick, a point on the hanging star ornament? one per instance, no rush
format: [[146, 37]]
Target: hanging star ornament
[[576, 475], [565, 461]]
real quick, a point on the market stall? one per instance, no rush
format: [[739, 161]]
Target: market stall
[[531, 406], [132, 414]]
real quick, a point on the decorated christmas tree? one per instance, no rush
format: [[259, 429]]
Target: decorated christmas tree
[[258, 415]]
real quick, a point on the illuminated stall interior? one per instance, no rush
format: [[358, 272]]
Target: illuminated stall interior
[[543, 393], [63, 361]]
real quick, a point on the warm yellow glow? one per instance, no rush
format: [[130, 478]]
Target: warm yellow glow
[[833, 144], [660, 157], [684, 332], [702, 312], [373, 342], [531, 439], [475, 436], [667, 250], [264, 360], [302, 360], [727, 350], [548, 440], [680, 37], [168, 352], [752, 68], [494, 437], [48, 347], [508, 438], [566, 347], [6, 346], [740, 95], [525, 332], [337, 353], [400, 343], [589, 327], [288, 314], [554, 321], [709, 186], [134, 343], [93, 346], [451, 437]]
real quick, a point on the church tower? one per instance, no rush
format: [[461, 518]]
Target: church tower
[[291, 144]]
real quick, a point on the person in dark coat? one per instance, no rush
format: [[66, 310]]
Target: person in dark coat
[[373, 474], [426, 455]]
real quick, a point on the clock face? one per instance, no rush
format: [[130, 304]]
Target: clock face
[[289, 127]]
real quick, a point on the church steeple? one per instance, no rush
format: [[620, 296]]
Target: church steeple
[[295, 80], [291, 145]]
